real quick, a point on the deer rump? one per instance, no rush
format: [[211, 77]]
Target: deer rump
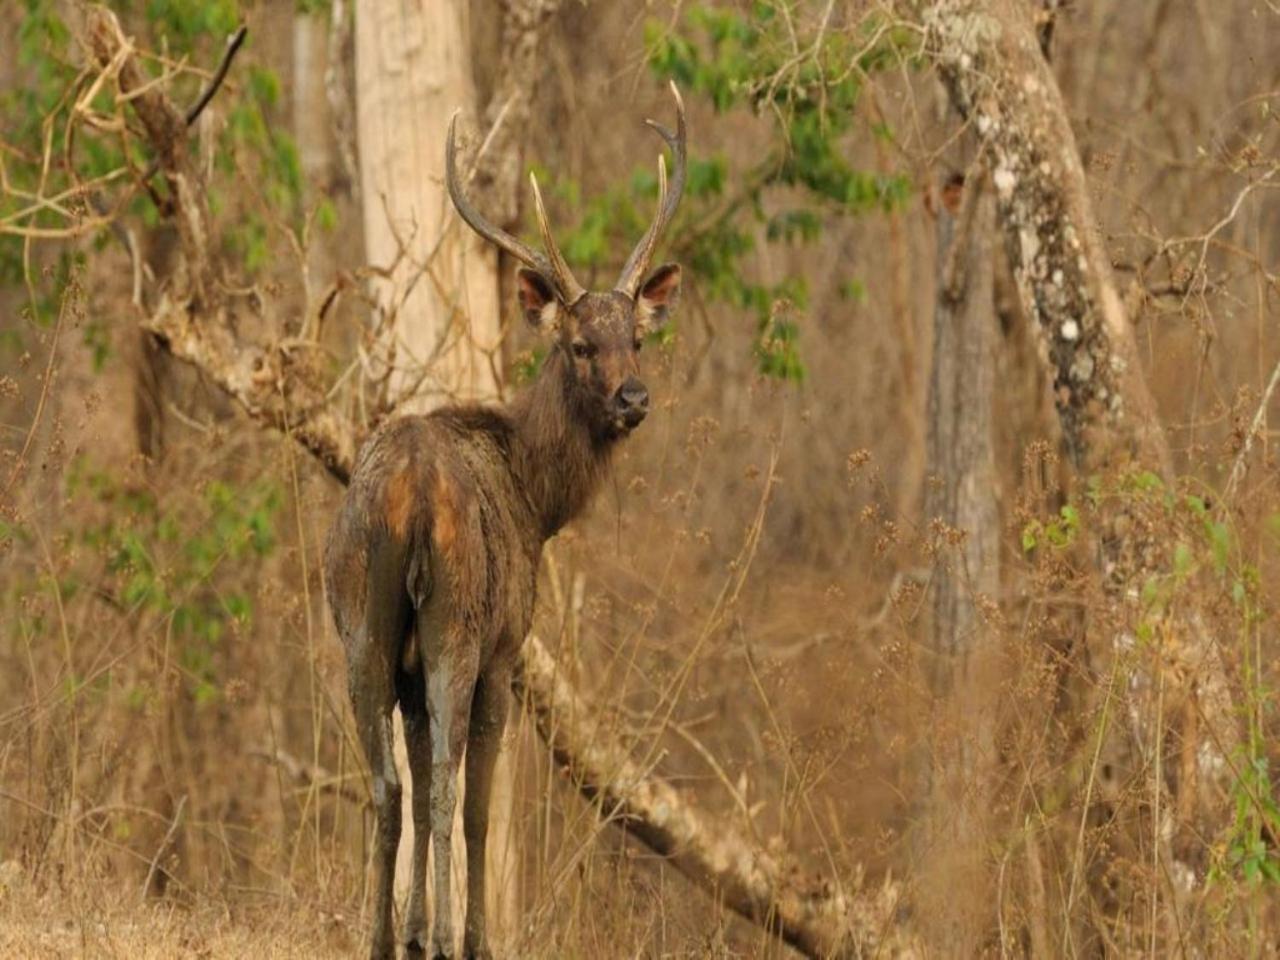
[[430, 559]]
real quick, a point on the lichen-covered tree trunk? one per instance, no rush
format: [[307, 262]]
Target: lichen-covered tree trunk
[[964, 532], [989, 56]]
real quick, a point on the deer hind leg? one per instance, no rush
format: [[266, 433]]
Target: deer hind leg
[[371, 682], [451, 666], [373, 720], [488, 718], [418, 746]]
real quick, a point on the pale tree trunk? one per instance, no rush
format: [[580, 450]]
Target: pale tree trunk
[[438, 313], [439, 306], [989, 56], [964, 533]]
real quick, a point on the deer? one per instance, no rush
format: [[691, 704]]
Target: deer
[[431, 562]]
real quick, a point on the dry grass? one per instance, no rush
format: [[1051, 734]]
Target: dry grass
[[99, 919]]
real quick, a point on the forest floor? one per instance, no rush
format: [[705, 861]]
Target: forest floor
[[106, 922]]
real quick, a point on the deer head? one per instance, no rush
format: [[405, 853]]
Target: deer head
[[599, 333]]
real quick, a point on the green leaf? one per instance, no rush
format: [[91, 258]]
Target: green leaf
[[854, 291], [1220, 541], [1070, 519], [326, 215], [1182, 560], [1146, 481], [1030, 536]]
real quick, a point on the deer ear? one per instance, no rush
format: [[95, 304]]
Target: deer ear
[[657, 298], [538, 301]]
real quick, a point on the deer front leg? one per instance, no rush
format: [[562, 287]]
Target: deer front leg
[[451, 679], [488, 718]]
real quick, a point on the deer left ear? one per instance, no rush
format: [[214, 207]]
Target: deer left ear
[[538, 301], [657, 298]]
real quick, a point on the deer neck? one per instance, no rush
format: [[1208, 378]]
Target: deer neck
[[557, 461]]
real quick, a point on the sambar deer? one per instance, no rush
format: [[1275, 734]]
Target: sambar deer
[[432, 562]]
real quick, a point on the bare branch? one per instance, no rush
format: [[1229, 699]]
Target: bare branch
[[234, 43], [308, 775], [275, 388]]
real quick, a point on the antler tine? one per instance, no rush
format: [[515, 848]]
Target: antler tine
[[570, 290], [637, 264], [494, 234]]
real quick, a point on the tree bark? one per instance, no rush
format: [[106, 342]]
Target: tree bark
[[313, 133], [960, 453], [438, 306], [989, 57], [964, 526]]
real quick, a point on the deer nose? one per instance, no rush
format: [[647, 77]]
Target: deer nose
[[633, 399]]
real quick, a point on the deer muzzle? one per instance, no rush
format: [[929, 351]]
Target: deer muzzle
[[631, 402]]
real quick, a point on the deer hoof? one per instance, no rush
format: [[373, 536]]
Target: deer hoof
[[415, 945]]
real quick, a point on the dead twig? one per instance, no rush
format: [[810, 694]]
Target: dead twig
[[168, 837]]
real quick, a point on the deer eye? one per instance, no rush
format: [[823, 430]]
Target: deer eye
[[583, 350]]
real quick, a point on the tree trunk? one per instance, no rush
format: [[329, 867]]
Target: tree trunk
[[964, 526], [990, 57], [312, 131], [439, 305]]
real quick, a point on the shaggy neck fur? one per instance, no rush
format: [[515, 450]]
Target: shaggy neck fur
[[558, 460]]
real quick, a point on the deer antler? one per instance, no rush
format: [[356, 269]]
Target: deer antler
[[637, 264], [552, 265], [570, 288]]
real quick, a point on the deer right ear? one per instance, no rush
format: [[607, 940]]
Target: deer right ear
[[538, 301]]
